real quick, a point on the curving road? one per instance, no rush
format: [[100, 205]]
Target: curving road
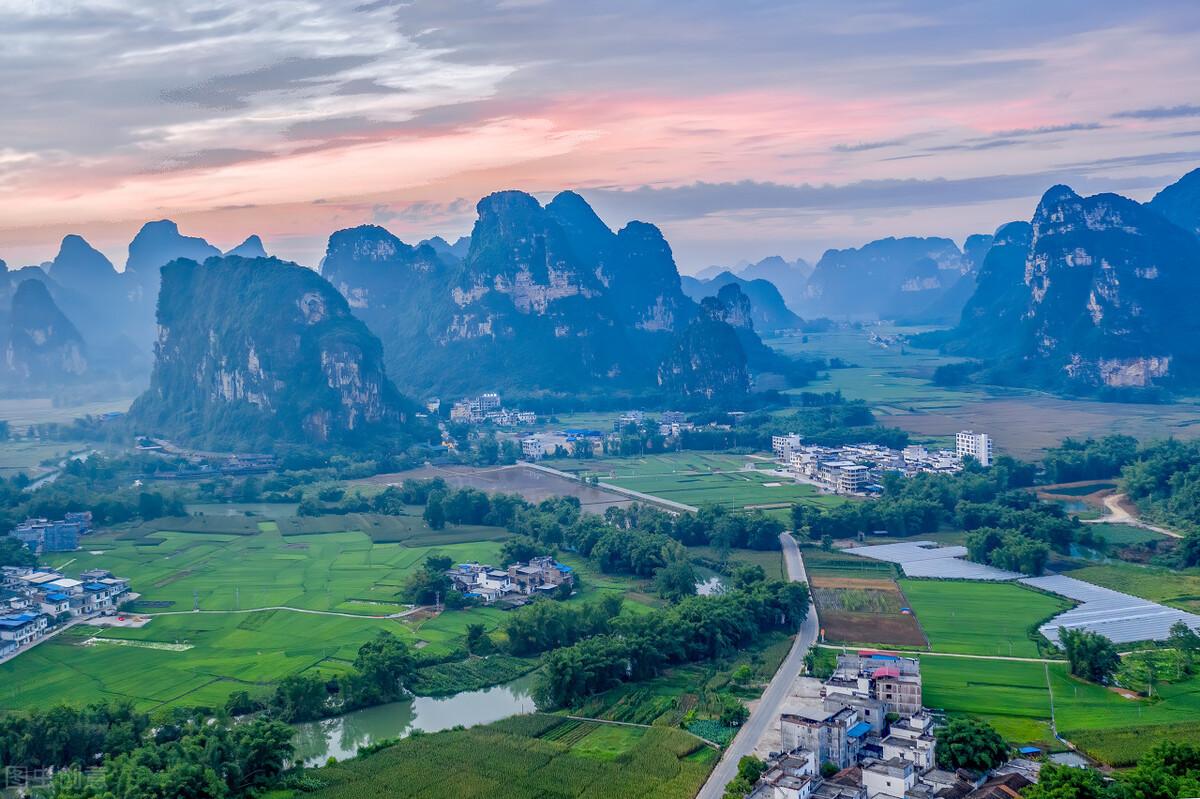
[[769, 708], [1119, 514]]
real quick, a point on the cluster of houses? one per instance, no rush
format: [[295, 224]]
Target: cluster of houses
[[33, 601], [486, 408], [859, 468], [670, 423], [540, 576], [562, 443], [873, 729], [62, 535]]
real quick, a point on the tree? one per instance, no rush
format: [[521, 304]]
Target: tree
[[970, 743], [14, 553], [386, 665], [300, 697], [750, 768], [1184, 640], [478, 641], [519, 549], [733, 712], [675, 581], [744, 575], [435, 513], [1068, 782], [1091, 656]]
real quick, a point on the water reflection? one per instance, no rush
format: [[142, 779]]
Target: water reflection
[[341, 737]]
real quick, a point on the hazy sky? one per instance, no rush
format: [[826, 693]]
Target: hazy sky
[[742, 128]]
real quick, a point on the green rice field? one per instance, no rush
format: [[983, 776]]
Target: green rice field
[[520, 757], [1118, 534], [980, 618], [181, 657], [699, 478], [1015, 697]]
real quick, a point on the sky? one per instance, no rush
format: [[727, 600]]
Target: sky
[[743, 129]]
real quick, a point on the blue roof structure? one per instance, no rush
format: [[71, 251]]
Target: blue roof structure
[[858, 730], [94, 586], [57, 597], [1030, 750]]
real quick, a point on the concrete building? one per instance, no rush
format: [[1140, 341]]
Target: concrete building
[[834, 737], [23, 628], [912, 739], [891, 679], [976, 445], [889, 778]]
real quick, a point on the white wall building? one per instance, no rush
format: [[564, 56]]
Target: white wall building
[[976, 445]]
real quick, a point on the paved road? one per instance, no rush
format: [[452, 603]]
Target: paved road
[[767, 712], [399, 615]]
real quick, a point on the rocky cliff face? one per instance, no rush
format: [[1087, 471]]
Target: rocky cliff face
[[40, 345], [707, 358], [255, 350], [545, 299], [1092, 296]]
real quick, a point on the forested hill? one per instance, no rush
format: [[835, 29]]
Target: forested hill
[[1091, 297], [546, 299], [291, 363]]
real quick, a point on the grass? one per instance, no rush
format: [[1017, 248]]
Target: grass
[[1177, 588], [980, 618], [1015, 698], [27, 456], [818, 562], [1121, 535], [701, 478], [1010, 695], [528, 756], [342, 572], [770, 560], [446, 679], [1079, 491]]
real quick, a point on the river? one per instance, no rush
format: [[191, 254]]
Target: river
[[341, 737]]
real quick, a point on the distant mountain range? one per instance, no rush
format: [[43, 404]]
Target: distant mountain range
[[110, 312], [1093, 296], [538, 300], [768, 311]]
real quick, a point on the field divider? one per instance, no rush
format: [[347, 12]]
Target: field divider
[[922, 653], [628, 492], [613, 723]]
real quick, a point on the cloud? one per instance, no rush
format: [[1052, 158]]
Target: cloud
[[703, 199], [864, 146], [1160, 112], [230, 92]]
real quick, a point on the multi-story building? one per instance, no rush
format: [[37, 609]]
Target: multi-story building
[[975, 445], [783, 446], [43, 535], [889, 778], [23, 628], [912, 739], [891, 679], [835, 737]]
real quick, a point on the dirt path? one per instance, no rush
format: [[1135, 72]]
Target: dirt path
[[399, 615], [1119, 514]]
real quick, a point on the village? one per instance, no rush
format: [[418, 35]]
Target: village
[[866, 735], [859, 468]]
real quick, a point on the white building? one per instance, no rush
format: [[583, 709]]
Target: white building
[[784, 445], [888, 778], [976, 445], [533, 447]]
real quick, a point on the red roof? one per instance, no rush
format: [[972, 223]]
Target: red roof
[[886, 671]]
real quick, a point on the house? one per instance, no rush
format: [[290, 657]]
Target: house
[[968, 443], [912, 739], [22, 628], [894, 680], [835, 737], [542, 574], [889, 778], [43, 535]]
